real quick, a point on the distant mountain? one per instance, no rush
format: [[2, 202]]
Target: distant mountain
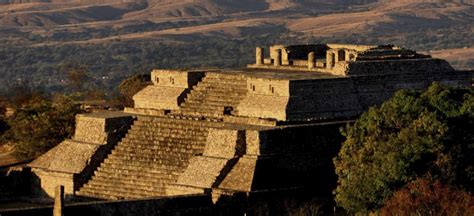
[[441, 27], [306, 17]]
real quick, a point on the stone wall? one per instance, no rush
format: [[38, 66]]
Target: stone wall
[[100, 128], [420, 66], [266, 98], [169, 89], [72, 162], [206, 171], [343, 97], [358, 48], [192, 205], [241, 176], [176, 78], [160, 97], [284, 157], [321, 99], [258, 160]]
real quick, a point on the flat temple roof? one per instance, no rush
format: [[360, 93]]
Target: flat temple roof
[[278, 74]]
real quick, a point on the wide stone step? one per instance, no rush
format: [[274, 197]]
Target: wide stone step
[[212, 95], [156, 146], [167, 133], [149, 136], [92, 193], [144, 159], [157, 138], [124, 165], [132, 180], [208, 105], [118, 193], [156, 141], [219, 88], [172, 167], [127, 183], [201, 113], [172, 123], [131, 191], [218, 92], [126, 174], [166, 128], [162, 154], [148, 173], [188, 125], [211, 102], [114, 192], [157, 152], [196, 105], [223, 78]]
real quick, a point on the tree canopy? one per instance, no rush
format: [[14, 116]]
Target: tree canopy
[[412, 135], [425, 197], [39, 126], [131, 86]]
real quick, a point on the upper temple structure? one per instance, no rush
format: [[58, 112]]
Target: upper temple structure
[[272, 126]]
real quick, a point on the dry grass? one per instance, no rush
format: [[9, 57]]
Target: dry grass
[[389, 20]]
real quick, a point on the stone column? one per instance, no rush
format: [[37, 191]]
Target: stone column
[[311, 60], [58, 201], [336, 56], [277, 60], [329, 59], [259, 56]]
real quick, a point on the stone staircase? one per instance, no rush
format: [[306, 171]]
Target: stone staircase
[[213, 95], [155, 151]]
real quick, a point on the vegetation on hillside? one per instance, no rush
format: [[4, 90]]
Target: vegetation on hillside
[[412, 135], [425, 197], [39, 124], [109, 63], [131, 86]]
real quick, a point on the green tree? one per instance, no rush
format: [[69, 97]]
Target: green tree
[[21, 94], [36, 128], [411, 135], [131, 86], [76, 74]]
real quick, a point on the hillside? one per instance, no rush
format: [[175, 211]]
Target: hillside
[[78, 28]]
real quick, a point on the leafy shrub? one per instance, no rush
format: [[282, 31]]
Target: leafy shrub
[[423, 197], [37, 127], [131, 86], [411, 135]]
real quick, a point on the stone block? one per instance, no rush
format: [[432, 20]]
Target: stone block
[[160, 97], [101, 127], [264, 106], [49, 180], [240, 177], [252, 141], [68, 157], [202, 172], [176, 78], [224, 143], [426, 66]]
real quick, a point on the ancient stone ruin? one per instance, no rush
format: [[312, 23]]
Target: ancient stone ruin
[[272, 126]]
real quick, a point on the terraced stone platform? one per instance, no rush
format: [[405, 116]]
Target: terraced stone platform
[[215, 96], [152, 154], [271, 126]]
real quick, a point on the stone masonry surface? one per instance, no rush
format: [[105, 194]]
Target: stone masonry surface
[[271, 126]]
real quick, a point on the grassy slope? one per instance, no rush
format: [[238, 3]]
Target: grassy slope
[[113, 38]]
